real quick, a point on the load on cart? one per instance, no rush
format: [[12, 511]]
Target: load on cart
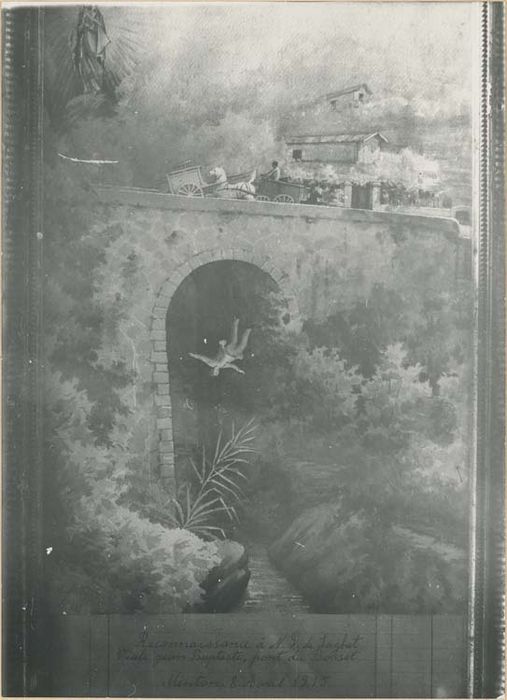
[[187, 181]]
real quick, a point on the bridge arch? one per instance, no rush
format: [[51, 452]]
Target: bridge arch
[[158, 334]]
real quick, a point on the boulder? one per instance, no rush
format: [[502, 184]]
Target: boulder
[[343, 563], [225, 585]]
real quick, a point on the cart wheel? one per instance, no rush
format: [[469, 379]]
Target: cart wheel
[[261, 198], [190, 190], [285, 198]]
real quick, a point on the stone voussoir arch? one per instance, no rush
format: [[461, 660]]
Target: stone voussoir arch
[[158, 335]]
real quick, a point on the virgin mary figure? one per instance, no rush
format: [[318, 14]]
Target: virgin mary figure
[[88, 42]]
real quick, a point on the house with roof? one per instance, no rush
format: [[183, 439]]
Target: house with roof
[[352, 96], [340, 100], [345, 152], [338, 148]]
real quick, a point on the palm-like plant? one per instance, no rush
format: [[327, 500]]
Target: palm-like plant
[[219, 491]]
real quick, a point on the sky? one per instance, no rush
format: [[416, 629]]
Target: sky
[[411, 48]]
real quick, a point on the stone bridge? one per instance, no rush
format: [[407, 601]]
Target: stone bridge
[[316, 255]]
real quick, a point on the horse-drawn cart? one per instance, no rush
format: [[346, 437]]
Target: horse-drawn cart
[[187, 181], [280, 191]]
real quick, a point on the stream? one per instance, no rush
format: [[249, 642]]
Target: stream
[[268, 589]]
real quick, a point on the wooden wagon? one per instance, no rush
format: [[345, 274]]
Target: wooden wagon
[[187, 181], [280, 191]]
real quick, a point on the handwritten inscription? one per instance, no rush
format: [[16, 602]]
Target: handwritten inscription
[[299, 680], [294, 659]]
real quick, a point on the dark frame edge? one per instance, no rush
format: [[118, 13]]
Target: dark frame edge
[[487, 630], [21, 340]]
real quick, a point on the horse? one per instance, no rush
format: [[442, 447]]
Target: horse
[[237, 190]]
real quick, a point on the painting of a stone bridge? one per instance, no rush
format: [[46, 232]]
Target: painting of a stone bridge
[[318, 259]]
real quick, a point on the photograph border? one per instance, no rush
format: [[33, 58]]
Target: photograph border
[[487, 584], [24, 627]]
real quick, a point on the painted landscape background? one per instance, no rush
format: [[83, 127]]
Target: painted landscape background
[[359, 417]]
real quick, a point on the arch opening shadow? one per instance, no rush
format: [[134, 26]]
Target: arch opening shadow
[[200, 314], [204, 406]]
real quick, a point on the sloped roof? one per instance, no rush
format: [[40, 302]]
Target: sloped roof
[[334, 138], [335, 94], [348, 90]]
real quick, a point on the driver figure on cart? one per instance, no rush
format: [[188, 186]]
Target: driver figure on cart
[[274, 173]]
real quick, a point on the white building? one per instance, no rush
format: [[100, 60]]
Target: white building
[[335, 148]]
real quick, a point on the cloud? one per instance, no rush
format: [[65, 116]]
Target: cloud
[[410, 48]]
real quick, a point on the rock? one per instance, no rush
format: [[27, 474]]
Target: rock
[[225, 585], [345, 563]]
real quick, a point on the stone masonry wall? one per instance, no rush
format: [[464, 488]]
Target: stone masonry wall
[[320, 257]]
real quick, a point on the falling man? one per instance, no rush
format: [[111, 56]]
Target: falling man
[[227, 353]]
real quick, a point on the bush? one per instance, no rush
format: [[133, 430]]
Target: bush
[[107, 558], [328, 385], [128, 564]]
